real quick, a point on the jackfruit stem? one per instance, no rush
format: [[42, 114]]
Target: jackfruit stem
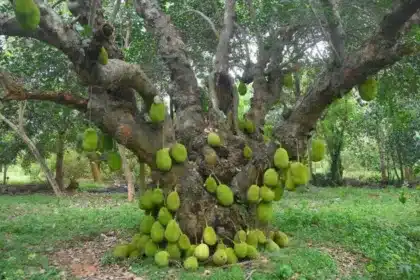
[[215, 177]]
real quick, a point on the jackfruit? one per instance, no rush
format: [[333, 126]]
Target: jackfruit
[[121, 251], [271, 235], [150, 249], [219, 257], [157, 232], [162, 258], [103, 56], [265, 212], [172, 231], [220, 245], [172, 201], [114, 161], [261, 236], [249, 126], [242, 88], [300, 173], [231, 256], [252, 238], [106, 143], [317, 150], [163, 160], [190, 251], [272, 246], [184, 242], [173, 250], [271, 177], [179, 152], [213, 140], [146, 224], [247, 152], [253, 194], [202, 252], [224, 195], [164, 216], [266, 194], [241, 124], [289, 184], [281, 158], [157, 112], [278, 192], [240, 249], [281, 239], [210, 184], [210, 157], [145, 201], [368, 89], [135, 254], [252, 252], [209, 236], [240, 236], [288, 81], [90, 140], [142, 241], [136, 238], [27, 14], [191, 263], [157, 197]]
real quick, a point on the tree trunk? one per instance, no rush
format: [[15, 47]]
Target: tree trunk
[[142, 177], [59, 172], [382, 159], [127, 173], [400, 163], [96, 173], [4, 174]]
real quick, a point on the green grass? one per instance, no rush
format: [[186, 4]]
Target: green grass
[[371, 226]]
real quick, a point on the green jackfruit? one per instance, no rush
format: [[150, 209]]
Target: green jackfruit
[[135, 254], [213, 140], [142, 241], [164, 216], [184, 242], [240, 236], [163, 160], [146, 224], [252, 238], [272, 246], [162, 258], [231, 256], [224, 195], [253, 194], [121, 251], [247, 152], [209, 236], [261, 237], [220, 245], [281, 158], [157, 232], [317, 150], [191, 263], [300, 173], [266, 194], [265, 212], [241, 124], [114, 161], [219, 257], [190, 251], [210, 184], [281, 239], [150, 249], [271, 177], [103, 56], [288, 81], [249, 126], [240, 249], [27, 14], [202, 252], [289, 184], [252, 252], [157, 197], [157, 112], [173, 250], [172, 231], [179, 152], [90, 140], [106, 143], [145, 201], [210, 157], [278, 192], [368, 89], [242, 88], [172, 201]]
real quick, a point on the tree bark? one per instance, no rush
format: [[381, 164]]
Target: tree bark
[[142, 177], [5, 174], [59, 162], [382, 159], [94, 168], [127, 173]]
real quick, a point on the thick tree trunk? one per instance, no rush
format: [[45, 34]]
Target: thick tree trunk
[[127, 173], [4, 174], [59, 162]]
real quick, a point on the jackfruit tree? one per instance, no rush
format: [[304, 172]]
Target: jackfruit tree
[[216, 178]]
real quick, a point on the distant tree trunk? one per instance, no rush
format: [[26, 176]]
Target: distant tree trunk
[[127, 173], [382, 159], [4, 174], [96, 173], [59, 163]]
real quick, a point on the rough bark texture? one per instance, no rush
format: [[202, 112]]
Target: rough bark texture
[[127, 174], [59, 161], [4, 174]]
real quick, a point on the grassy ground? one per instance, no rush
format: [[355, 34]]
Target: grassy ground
[[342, 232]]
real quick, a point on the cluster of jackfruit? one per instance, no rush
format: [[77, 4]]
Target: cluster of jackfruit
[[27, 14], [223, 192], [164, 157]]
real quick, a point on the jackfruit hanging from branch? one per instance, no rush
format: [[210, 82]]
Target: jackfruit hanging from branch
[[27, 14]]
